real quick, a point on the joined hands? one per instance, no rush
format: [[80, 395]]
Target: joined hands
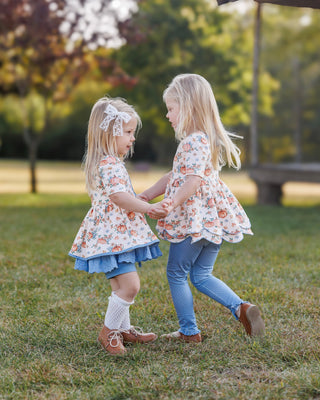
[[161, 209], [157, 210]]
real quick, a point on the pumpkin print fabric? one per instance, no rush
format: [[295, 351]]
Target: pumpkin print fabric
[[108, 234], [213, 212]]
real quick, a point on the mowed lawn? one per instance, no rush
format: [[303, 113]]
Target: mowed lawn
[[51, 315]]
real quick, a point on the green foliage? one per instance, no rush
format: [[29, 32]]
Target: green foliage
[[290, 54], [11, 125], [45, 51], [187, 36], [51, 314], [30, 114], [165, 38], [68, 134], [11, 113], [65, 137]]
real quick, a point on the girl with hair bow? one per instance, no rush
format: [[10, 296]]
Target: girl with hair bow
[[114, 235]]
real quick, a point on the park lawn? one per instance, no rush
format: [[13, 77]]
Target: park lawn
[[51, 315]]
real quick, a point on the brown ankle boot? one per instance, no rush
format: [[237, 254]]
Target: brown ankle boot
[[136, 335], [183, 338], [111, 340], [250, 318]]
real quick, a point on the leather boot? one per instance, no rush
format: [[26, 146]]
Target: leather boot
[[136, 335], [250, 318], [183, 338], [111, 340]]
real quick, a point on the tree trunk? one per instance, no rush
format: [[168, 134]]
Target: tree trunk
[[297, 110], [33, 149], [255, 89]]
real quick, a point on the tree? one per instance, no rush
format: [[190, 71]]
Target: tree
[[168, 37], [45, 50], [290, 53]]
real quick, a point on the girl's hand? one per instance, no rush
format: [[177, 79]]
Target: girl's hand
[[161, 209], [157, 212], [142, 197], [167, 204]]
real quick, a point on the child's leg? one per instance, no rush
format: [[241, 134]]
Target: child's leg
[[181, 257], [126, 286], [202, 278], [124, 289]]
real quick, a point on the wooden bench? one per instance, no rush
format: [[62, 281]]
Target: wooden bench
[[269, 178]]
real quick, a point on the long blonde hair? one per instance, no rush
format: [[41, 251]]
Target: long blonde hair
[[100, 142], [199, 112]]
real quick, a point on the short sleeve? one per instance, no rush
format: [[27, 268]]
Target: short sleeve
[[195, 150], [113, 175]]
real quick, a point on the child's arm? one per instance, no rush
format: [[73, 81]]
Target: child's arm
[[129, 202], [155, 190], [189, 188]]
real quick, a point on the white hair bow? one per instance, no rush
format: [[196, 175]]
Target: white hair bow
[[118, 116]]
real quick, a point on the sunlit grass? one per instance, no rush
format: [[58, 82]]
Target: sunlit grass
[[51, 315]]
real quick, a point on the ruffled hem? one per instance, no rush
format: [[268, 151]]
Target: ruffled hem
[[107, 263], [234, 237]]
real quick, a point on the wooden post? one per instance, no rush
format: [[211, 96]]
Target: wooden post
[[297, 109], [255, 88]]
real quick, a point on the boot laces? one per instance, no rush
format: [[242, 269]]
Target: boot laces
[[134, 330], [115, 335]]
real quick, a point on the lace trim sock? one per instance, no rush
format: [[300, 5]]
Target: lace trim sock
[[125, 324], [117, 312]]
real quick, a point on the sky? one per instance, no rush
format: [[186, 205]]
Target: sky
[[241, 6]]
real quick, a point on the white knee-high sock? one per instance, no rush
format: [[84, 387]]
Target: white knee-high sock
[[125, 324], [117, 312]]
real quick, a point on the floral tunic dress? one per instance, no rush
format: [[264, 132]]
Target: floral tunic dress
[[213, 212], [108, 234]]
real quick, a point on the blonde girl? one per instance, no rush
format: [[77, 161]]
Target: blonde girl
[[114, 235], [203, 212]]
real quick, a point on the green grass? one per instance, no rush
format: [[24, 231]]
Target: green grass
[[51, 315]]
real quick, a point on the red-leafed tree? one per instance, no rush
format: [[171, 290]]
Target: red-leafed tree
[[45, 50]]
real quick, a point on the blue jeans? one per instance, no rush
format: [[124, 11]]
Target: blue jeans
[[196, 259]]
